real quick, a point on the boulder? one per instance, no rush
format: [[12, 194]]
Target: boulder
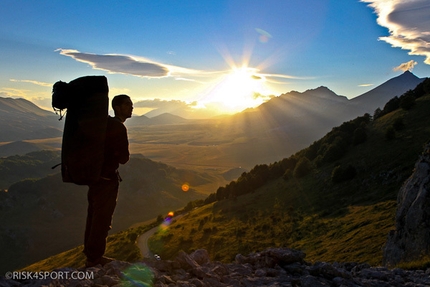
[[411, 238]]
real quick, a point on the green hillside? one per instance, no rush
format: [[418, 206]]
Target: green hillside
[[335, 200], [31, 165]]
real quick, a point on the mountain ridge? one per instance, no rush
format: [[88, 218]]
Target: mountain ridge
[[161, 119], [21, 119], [8, 105]]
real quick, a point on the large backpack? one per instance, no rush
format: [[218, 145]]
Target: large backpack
[[82, 152]]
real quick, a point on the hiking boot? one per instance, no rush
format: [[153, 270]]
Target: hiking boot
[[101, 261]]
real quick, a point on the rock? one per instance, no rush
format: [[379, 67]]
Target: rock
[[201, 256], [284, 267], [410, 239], [186, 261]]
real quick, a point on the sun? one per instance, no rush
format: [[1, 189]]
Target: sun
[[237, 90]]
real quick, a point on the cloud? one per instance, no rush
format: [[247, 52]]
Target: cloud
[[158, 103], [261, 96], [142, 67], [120, 64], [159, 106], [365, 85], [408, 66], [136, 66], [38, 83], [408, 23]]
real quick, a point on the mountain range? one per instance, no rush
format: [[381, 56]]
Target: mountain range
[[294, 120], [286, 123]]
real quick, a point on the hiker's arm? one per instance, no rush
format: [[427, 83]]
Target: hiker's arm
[[123, 152]]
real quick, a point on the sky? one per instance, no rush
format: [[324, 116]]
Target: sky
[[203, 58]]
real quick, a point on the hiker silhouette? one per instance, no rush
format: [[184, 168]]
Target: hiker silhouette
[[102, 194]]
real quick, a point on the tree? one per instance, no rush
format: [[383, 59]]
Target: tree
[[359, 136], [391, 105], [160, 218], [407, 101], [377, 114], [303, 167]]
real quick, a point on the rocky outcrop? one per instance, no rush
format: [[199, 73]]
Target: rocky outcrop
[[272, 267], [411, 239]]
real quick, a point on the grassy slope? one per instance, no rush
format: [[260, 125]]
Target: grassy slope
[[343, 222], [121, 246]]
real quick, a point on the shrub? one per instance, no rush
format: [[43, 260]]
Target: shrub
[[340, 174], [390, 133], [398, 124], [287, 174], [335, 150], [391, 105]]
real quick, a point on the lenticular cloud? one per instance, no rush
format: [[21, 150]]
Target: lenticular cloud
[[119, 64], [408, 22]]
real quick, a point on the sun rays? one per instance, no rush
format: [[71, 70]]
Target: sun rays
[[239, 89]]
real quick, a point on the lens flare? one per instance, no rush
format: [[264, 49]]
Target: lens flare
[[137, 275], [264, 36], [163, 228], [171, 214], [185, 187]]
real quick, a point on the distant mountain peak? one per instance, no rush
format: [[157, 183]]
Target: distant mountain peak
[[380, 95], [408, 74], [325, 89]]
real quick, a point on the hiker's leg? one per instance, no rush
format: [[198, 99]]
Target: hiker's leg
[[102, 198]]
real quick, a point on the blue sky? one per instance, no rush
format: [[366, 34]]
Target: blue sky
[[193, 57]]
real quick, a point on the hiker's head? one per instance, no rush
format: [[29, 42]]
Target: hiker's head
[[122, 106]]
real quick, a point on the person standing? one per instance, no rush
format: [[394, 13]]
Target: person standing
[[102, 195]]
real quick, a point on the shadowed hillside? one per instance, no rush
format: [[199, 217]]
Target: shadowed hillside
[[42, 216], [32, 165]]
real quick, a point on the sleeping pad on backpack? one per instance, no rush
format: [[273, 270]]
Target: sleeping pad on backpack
[[82, 151]]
